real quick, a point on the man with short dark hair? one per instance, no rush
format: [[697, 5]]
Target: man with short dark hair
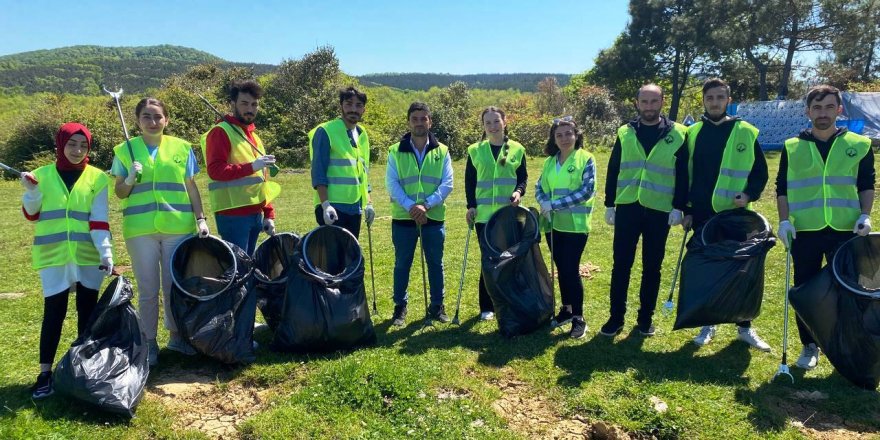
[[645, 193], [824, 194], [339, 150], [728, 171], [238, 171], [419, 179]]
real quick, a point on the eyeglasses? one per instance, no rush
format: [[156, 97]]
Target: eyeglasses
[[562, 119]]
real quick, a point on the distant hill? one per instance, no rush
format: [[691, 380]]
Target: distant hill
[[525, 82], [81, 69]]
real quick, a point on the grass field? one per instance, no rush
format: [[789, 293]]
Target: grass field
[[447, 381]]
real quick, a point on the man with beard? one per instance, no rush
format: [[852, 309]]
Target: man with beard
[[728, 171], [239, 171], [419, 178], [824, 194], [340, 155], [645, 193]]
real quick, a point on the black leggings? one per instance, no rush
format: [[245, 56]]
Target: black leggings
[[567, 255], [54, 311]]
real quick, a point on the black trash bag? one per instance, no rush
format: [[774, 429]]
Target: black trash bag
[[722, 274], [514, 271], [841, 308], [271, 267], [212, 300], [325, 305], [107, 365]]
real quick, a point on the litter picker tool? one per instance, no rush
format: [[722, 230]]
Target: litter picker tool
[[372, 272], [467, 242], [668, 305], [552, 274], [783, 366], [116, 95], [17, 172], [273, 170]]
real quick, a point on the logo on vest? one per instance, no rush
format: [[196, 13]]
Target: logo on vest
[[851, 152], [178, 158], [571, 168], [669, 139], [740, 148]]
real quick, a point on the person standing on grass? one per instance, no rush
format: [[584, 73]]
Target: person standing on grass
[[565, 192], [824, 194], [495, 176], [728, 171], [645, 193], [419, 178], [238, 171], [68, 202], [339, 151], [161, 206]]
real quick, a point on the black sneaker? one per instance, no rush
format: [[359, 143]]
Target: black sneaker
[[438, 312], [564, 317], [578, 328], [611, 328], [646, 329], [44, 387], [399, 317]]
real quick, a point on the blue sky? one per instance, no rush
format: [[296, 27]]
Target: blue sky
[[453, 36]]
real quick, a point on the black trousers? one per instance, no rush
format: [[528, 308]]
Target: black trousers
[[632, 221], [569, 246], [485, 300], [807, 251], [54, 311], [351, 222]]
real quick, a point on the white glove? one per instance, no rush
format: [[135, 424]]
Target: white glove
[[863, 225], [675, 217], [369, 214], [261, 162], [107, 266], [330, 215], [786, 233], [136, 169], [202, 226], [609, 216], [28, 181], [269, 226]]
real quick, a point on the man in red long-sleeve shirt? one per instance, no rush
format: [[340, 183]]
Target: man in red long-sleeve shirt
[[239, 186]]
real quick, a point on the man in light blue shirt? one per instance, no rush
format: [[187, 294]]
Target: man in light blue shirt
[[419, 178]]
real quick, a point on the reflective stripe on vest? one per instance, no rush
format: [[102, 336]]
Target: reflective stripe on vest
[[159, 203], [736, 162], [348, 170], [254, 189], [495, 182], [62, 233], [419, 183], [650, 180], [823, 193], [561, 183]]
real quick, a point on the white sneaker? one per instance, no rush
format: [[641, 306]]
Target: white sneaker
[[705, 336], [750, 336], [809, 357], [487, 316]]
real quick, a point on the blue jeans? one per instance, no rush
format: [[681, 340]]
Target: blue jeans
[[240, 230], [405, 237]]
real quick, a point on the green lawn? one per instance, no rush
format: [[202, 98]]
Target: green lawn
[[447, 381]]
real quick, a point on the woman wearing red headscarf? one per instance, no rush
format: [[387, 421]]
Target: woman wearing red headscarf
[[68, 202]]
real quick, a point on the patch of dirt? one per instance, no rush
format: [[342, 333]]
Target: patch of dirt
[[533, 416], [11, 295], [588, 269], [811, 421], [205, 404]]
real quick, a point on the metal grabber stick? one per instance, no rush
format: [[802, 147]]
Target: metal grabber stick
[[17, 172], [783, 366], [467, 242], [552, 274], [116, 95], [668, 306], [372, 272]]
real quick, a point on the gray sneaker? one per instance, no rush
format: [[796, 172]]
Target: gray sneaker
[[809, 357], [750, 336], [153, 353], [705, 336], [176, 343]]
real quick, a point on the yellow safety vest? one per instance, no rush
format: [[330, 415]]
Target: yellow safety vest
[[419, 183], [558, 184], [824, 193], [348, 171], [648, 180], [62, 231], [495, 182], [736, 163], [159, 203], [255, 189]]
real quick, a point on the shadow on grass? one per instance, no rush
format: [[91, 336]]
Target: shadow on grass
[[16, 398]]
